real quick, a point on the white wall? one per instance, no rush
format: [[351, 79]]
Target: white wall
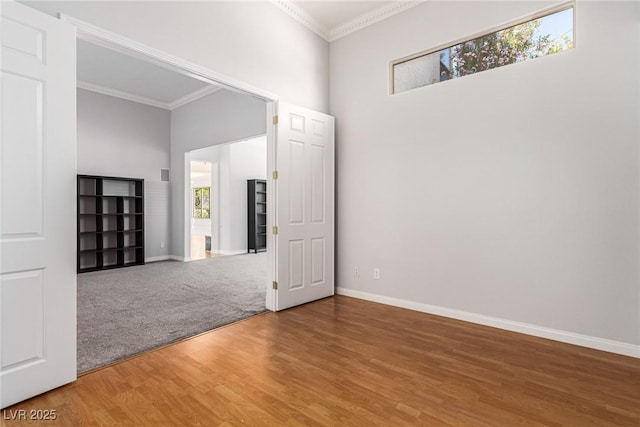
[[126, 139], [215, 119], [248, 161], [512, 193], [236, 163], [253, 42]]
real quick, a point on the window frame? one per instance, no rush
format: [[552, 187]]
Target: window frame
[[193, 203], [521, 20]]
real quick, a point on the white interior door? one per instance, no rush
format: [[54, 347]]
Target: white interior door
[[305, 206], [38, 204]]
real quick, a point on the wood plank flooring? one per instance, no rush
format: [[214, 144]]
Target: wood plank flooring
[[346, 362], [198, 248]]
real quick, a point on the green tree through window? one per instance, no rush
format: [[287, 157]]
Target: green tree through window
[[545, 35], [202, 202], [508, 46]]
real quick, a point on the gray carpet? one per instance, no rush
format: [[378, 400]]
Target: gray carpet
[[130, 310]]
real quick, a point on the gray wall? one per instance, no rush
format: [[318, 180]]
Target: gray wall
[[252, 42], [512, 193], [124, 138], [221, 117]]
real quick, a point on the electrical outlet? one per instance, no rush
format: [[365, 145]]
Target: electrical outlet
[[356, 271], [376, 273], [161, 245]]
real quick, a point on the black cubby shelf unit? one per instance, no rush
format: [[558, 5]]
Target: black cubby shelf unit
[[257, 215], [110, 222]]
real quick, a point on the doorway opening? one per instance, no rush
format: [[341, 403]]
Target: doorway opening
[[218, 207], [203, 205], [101, 37], [156, 143]]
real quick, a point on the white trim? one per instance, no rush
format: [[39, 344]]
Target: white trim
[[342, 30], [509, 325], [272, 242], [200, 93], [371, 18], [122, 95], [157, 258], [187, 259], [232, 252], [302, 17], [105, 38], [186, 203]]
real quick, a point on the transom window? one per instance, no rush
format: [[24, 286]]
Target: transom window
[[550, 32]]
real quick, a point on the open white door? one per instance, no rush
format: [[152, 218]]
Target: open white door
[[305, 206], [38, 204]]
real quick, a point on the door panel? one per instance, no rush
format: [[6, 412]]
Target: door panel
[[22, 123], [296, 183], [26, 344], [318, 260], [37, 204], [305, 206], [318, 180]]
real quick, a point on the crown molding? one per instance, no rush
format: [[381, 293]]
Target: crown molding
[[122, 95], [208, 90], [302, 17], [200, 93], [358, 23], [371, 18]]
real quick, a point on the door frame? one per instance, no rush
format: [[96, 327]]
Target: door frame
[[110, 40]]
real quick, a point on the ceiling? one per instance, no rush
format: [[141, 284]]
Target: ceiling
[[200, 168], [117, 74], [114, 73]]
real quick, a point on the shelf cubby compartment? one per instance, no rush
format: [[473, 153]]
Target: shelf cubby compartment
[[109, 222], [87, 187], [109, 258], [87, 224], [109, 205], [129, 255], [87, 205], [89, 243], [87, 260]]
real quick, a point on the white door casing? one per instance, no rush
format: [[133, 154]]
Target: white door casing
[[37, 204], [304, 206]]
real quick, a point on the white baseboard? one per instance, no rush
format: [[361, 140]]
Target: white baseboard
[[524, 328], [231, 252], [157, 258], [187, 259]]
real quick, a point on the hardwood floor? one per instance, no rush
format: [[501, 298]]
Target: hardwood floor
[[341, 362], [198, 248]]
